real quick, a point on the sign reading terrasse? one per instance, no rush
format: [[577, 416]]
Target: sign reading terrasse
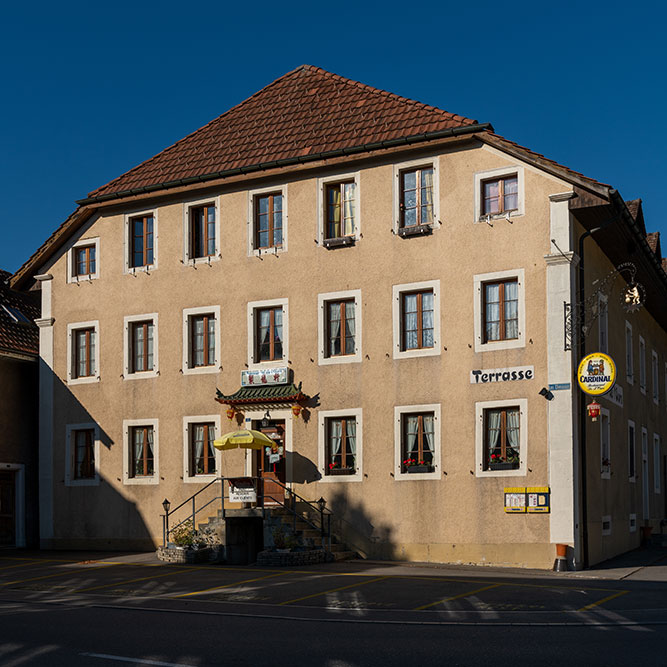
[[596, 374], [502, 374], [266, 376]]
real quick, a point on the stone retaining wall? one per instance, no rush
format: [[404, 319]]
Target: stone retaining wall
[[183, 555]]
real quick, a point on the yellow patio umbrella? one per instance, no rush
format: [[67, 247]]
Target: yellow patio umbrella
[[243, 439]]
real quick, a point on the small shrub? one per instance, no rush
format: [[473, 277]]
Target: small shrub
[[183, 535]]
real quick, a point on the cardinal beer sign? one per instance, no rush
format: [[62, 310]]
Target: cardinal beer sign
[[596, 374]]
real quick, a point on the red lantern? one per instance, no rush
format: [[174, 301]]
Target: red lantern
[[230, 413], [594, 410], [296, 410]]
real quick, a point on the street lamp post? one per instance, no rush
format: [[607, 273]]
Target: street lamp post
[[166, 505]]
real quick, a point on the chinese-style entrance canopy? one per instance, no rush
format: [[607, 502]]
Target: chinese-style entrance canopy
[[270, 396]]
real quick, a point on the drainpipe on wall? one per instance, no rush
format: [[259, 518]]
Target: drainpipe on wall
[[582, 397]]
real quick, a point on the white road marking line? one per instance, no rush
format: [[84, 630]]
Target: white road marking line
[[135, 661]]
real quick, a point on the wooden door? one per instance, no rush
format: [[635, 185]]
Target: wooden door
[[271, 463], [7, 508]]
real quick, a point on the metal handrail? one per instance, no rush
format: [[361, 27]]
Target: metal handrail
[[318, 506]]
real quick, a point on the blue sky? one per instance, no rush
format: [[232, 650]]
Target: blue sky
[[91, 89]]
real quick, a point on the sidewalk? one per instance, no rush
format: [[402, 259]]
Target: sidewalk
[[643, 564]]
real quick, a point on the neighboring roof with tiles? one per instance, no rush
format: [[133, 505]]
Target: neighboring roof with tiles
[[654, 243], [16, 334], [637, 212], [305, 112]]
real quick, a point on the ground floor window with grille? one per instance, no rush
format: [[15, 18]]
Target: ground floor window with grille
[[142, 451], [417, 442], [502, 438], [202, 452], [341, 445], [84, 454]]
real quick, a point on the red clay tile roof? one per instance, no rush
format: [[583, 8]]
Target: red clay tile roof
[[18, 336], [306, 111]]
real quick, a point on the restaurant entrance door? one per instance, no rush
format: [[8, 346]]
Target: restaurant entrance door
[[270, 462]]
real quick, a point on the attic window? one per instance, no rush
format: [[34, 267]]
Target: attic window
[[15, 314]]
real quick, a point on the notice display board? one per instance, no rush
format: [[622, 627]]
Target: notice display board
[[242, 490], [538, 499], [530, 500], [515, 499]]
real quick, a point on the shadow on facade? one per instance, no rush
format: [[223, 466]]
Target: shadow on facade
[[89, 515], [361, 532], [304, 471]]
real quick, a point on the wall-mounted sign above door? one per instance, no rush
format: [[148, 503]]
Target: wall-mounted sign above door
[[265, 376], [502, 374]]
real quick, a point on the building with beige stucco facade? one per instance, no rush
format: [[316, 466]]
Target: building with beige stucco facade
[[412, 280]]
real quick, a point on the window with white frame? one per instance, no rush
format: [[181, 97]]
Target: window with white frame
[[267, 332], [501, 437], [140, 451], [499, 310], [141, 241], [339, 327], [605, 444], [499, 193], [83, 260], [340, 445], [141, 346], [201, 226], [416, 197], [629, 355], [267, 220], [82, 454], [633, 523], [646, 504], [603, 324], [606, 525], [654, 377], [417, 442], [632, 452], [416, 319], [201, 460], [338, 206], [83, 352], [201, 339], [656, 463], [642, 365]]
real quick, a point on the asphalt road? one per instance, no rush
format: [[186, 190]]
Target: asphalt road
[[106, 611]]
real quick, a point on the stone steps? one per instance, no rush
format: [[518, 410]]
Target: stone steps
[[338, 550]]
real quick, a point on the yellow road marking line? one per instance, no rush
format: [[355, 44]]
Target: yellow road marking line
[[32, 562], [234, 583], [599, 602], [456, 597], [334, 590], [131, 581], [57, 574]]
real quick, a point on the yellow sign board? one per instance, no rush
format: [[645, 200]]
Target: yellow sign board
[[596, 374], [531, 500]]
